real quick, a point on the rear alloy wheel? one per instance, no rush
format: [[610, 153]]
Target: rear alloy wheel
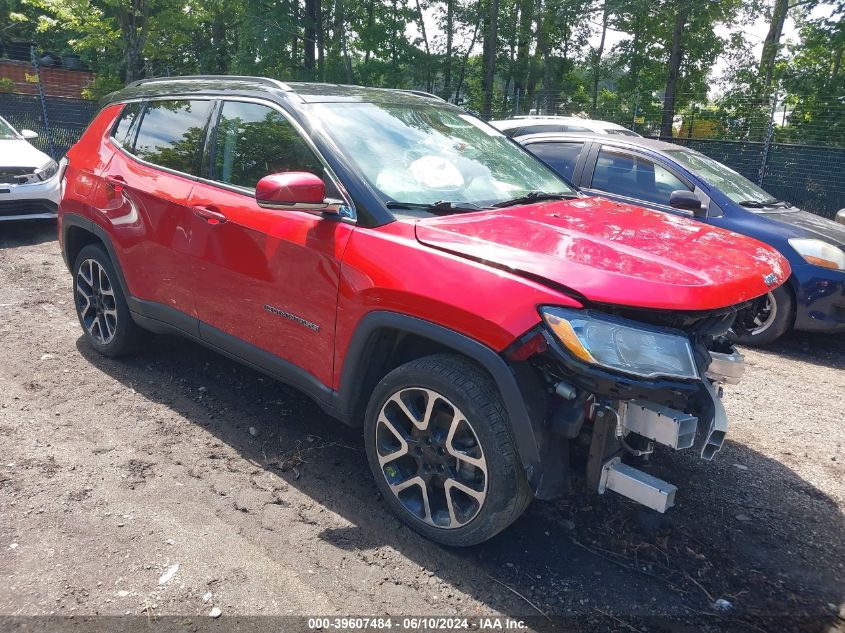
[[771, 321], [440, 447], [100, 304], [96, 301]]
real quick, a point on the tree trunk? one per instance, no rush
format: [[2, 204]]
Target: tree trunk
[[447, 63], [466, 56], [371, 16], [309, 37], [523, 49], [545, 52], [428, 80], [490, 37], [599, 52], [340, 28], [134, 26], [772, 43], [321, 47], [221, 49], [675, 59]]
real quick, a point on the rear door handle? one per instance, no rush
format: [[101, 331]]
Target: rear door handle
[[209, 214]]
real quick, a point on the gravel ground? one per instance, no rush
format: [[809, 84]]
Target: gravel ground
[[114, 472]]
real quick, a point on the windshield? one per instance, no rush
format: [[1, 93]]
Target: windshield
[[6, 131], [735, 186], [425, 153]]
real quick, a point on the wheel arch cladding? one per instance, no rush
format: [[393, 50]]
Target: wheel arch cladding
[[77, 233], [384, 340]]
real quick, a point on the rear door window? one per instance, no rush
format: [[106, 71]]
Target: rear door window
[[253, 141], [559, 155], [172, 133], [626, 174]]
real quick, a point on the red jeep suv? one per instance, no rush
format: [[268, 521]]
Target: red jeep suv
[[491, 329]]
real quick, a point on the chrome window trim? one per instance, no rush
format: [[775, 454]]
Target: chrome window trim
[[347, 199]]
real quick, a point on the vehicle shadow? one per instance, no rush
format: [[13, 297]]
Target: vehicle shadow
[[26, 233], [755, 535], [819, 348]]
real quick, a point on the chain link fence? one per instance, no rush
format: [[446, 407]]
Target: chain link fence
[[59, 121]]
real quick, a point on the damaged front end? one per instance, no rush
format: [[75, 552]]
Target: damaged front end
[[614, 383]]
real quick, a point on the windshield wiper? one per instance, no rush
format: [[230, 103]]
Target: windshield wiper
[[762, 204], [536, 196], [441, 206]]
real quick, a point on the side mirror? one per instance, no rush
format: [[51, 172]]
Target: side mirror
[[292, 190], [840, 217], [29, 134], [687, 201]]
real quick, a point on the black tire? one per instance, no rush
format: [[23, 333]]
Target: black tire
[[781, 322], [463, 385], [114, 333]]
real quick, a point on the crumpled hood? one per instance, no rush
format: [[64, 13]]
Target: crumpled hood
[[811, 225], [614, 253], [19, 153]]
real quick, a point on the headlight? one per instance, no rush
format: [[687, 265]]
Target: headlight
[[47, 171], [622, 346], [819, 252]]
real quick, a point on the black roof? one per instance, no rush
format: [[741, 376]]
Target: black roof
[[234, 84], [615, 139]]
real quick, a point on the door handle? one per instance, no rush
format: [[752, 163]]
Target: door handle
[[115, 182], [209, 214]]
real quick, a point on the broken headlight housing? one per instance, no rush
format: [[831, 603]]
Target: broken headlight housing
[[621, 345]]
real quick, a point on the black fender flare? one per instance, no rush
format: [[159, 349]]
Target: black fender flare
[[526, 431], [75, 220]]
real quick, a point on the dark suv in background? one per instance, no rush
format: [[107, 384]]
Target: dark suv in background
[[418, 275]]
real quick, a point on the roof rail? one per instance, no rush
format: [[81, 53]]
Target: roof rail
[[275, 83], [545, 116], [422, 93]]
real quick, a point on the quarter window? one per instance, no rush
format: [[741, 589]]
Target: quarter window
[[172, 133], [126, 124], [254, 141], [560, 156], [634, 177]]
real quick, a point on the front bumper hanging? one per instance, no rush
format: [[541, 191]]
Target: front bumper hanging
[[705, 432]]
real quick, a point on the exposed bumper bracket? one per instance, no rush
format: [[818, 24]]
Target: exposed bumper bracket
[[669, 427], [637, 485]]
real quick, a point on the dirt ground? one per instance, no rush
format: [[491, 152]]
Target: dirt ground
[[114, 471]]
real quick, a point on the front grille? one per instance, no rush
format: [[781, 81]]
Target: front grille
[[26, 207], [15, 175]]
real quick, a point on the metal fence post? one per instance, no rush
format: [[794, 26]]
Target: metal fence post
[[43, 101], [770, 131]]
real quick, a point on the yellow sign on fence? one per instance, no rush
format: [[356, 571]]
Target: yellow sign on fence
[[30, 79]]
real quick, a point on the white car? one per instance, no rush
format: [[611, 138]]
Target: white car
[[29, 179], [522, 125]]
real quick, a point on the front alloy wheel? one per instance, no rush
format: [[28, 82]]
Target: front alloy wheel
[[431, 458], [440, 445]]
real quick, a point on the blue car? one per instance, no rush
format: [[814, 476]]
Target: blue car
[[682, 181]]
